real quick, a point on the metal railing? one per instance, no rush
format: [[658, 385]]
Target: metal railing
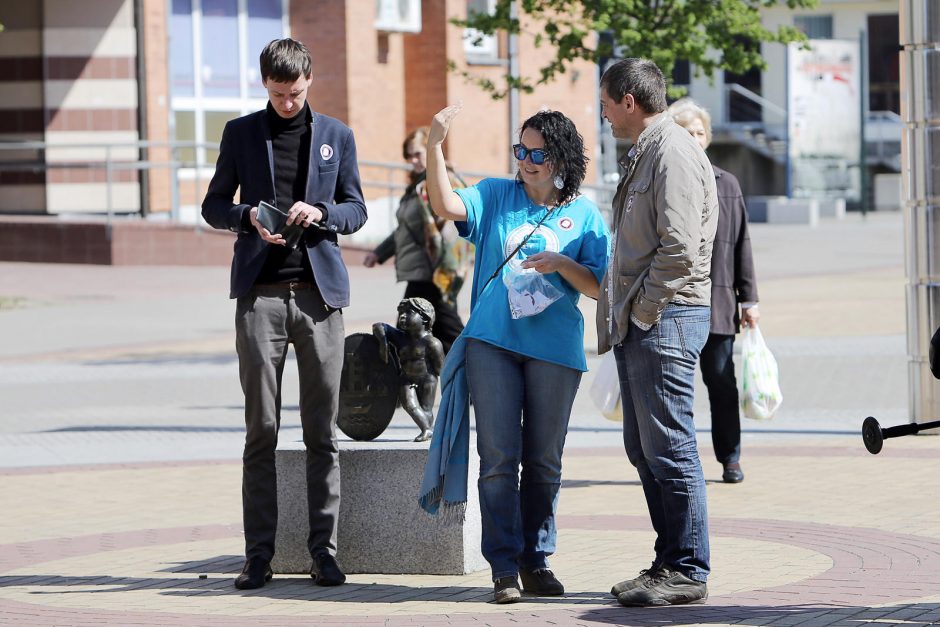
[[388, 179], [758, 122], [110, 162]]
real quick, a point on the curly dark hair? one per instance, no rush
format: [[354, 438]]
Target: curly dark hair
[[564, 147]]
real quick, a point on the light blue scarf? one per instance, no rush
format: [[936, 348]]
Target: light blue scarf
[[445, 475]]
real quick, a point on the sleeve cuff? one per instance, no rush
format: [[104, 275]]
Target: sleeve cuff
[[245, 223], [642, 325]]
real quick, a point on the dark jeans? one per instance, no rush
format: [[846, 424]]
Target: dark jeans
[[447, 323], [718, 374], [521, 406], [657, 383], [267, 319]]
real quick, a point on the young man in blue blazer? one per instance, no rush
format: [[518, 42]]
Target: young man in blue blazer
[[288, 291]]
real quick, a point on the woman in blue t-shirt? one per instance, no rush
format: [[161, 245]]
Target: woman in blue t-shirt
[[539, 245]]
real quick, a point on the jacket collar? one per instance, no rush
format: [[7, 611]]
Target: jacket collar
[[650, 134]]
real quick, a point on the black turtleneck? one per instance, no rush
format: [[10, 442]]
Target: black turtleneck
[[290, 139]]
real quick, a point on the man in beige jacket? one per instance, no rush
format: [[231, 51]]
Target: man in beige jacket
[[653, 311]]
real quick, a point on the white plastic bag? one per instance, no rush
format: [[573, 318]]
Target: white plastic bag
[[760, 383], [530, 293], [605, 390]]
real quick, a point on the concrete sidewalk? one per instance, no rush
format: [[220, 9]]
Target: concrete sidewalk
[[121, 433]]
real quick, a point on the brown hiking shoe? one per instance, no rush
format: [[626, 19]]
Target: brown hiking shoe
[[665, 587]]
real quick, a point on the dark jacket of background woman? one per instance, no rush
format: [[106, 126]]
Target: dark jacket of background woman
[[732, 273], [407, 243]]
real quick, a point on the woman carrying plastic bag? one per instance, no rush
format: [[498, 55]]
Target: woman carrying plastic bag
[[760, 383]]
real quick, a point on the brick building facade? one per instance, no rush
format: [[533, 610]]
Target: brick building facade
[[123, 71]]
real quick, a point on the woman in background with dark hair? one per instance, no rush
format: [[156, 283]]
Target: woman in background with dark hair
[[539, 245], [429, 258]]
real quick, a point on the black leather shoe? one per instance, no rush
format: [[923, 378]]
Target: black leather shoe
[[325, 571], [255, 574], [541, 582], [732, 473]]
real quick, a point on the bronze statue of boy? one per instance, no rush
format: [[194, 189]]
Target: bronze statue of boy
[[420, 357]]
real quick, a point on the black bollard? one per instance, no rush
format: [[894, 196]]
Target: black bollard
[[874, 436]]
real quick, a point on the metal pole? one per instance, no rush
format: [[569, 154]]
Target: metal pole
[[514, 73], [110, 180], [863, 114], [788, 167], [920, 196], [197, 182], [174, 182], [140, 25]]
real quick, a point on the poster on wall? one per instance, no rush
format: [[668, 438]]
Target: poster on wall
[[823, 93]]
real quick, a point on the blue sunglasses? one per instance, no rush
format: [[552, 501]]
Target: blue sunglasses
[[536, 155]]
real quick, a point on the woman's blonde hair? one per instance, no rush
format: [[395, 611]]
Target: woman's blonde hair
[[684, 110]]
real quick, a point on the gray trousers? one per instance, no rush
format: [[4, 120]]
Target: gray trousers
[[267, 319]]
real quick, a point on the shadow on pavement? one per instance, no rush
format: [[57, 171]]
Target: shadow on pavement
[[162, 428], [587, 483], [767, 616]]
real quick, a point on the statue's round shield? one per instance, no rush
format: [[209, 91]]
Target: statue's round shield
[[368, 390]]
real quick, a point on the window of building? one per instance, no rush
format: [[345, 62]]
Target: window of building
[[214, 74], [814, 26], [742, 106], [478, 47], [681, 73], [884, 90]]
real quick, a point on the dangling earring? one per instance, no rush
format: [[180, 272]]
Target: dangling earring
[[558, 181]]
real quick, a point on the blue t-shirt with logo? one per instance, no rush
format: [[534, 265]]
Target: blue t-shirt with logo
[[499, 216]]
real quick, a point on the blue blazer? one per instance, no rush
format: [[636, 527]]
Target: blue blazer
[[246, 163]]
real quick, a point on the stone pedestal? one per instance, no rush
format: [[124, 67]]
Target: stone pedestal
[[381, 527]]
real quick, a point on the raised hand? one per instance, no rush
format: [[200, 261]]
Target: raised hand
[[441, 123]]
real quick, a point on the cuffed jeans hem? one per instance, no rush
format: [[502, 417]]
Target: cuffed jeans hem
[[530, 566], [505, 573]]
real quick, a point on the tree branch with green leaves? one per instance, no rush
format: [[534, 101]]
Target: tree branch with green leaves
[[713, 35]]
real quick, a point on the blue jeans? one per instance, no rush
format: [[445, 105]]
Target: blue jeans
[[657, 379], [522, 406]]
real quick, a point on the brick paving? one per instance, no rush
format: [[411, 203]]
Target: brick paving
[[820, 533], [120, 481]]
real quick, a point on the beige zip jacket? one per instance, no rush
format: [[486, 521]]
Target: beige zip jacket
[[664, 218]]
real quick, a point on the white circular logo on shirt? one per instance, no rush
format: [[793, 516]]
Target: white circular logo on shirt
[[326, 151], [541, 240]]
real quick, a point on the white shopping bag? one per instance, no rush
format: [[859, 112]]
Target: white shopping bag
[[760, 383], [605, 390]]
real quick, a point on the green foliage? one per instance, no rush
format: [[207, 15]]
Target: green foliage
[[712, 34]]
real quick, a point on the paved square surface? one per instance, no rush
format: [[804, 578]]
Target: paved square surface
[[121, 434]]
